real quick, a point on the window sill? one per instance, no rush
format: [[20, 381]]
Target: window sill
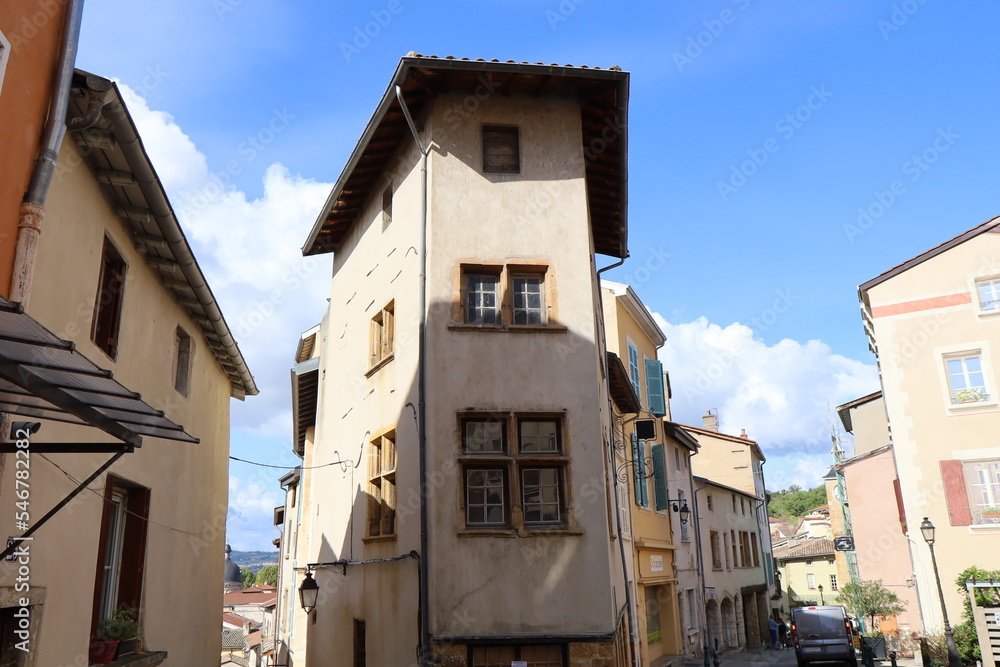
[[972, 406], [487, 532], [379, 364], [145, 659], [984, 529], [988, 314], [509, 328], [548, 532], [379, 538]]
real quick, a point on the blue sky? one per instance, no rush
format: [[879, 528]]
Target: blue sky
[[757, 132]]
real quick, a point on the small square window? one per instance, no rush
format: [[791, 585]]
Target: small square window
[[710, 508], [501, 150], [966, 381], [482, 298], [538, 436], [483, 435], [989, 294], [529, 299], [540, 489]]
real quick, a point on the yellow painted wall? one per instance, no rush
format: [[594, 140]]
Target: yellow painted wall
[[183, 580]]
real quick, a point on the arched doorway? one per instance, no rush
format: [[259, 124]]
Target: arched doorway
[[712, 615], [730, 630]]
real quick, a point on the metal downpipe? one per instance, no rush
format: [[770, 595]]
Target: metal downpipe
[[32, 212], [426, 652]]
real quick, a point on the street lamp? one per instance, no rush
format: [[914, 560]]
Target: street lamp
[[822, 600], [927, 530], [308, 592], [680, 506]]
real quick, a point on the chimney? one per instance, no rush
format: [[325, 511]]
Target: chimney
[[710, 422], [743, 434]]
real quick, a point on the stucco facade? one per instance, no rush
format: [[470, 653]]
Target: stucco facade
[[931, 322], [488, 384], [662, 554], [184, 485], [737, 601]]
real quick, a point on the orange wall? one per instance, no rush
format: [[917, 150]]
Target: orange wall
[[34, 30]]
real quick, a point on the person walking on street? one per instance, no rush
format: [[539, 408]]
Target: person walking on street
[[772, 625], [782, 633]]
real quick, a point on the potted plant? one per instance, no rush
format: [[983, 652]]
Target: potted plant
[[976, 395], [990, 512], [117, 635]]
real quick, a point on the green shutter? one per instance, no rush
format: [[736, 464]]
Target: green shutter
[[639, 473], [659, 477], [654, 387]]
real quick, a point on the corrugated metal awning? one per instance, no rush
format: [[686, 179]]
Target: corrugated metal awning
[[44, 377]]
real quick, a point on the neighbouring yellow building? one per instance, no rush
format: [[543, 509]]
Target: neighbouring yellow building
[[117, 347], [653, 464]]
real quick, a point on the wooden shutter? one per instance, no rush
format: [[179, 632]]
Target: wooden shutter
[[388, 332], [899, 505], [374, 342], [501, 150], [659, 477], [654, 387], [639, 473], [955, 493]]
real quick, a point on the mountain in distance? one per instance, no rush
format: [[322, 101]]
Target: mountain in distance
[[254, 560]]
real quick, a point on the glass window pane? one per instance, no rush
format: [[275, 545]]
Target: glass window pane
[[973, 364], [475, 477], [539, 436]]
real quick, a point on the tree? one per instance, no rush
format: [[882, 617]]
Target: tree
[[966, 640], [248, 576], [795, 501], [869, 598], [268, 576]]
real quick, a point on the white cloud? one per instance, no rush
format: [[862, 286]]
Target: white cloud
[[249, 525], [784, 394], [249, 251]]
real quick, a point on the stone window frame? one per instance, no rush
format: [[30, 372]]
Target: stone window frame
[[505, 271], [512, 461]]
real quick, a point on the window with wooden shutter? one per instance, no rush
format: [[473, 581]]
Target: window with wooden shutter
[[900, 510], [654, 387], [955, 493], [501, 150], [382, 485], [381, 338], [108, 308], [639, 472], [659, 477]]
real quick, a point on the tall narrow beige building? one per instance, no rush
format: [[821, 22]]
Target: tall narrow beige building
[[933, 322], [457, 470]]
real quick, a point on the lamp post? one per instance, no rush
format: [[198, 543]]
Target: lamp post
[[927, 530], [822, 600]]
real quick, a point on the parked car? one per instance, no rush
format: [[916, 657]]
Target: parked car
[[822, 634]]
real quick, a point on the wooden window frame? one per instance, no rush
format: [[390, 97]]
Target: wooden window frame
[[513, 462], [713, 537], [183, 354], [387, 195], [505, 274], [105, 329], [382, 337], [382, 461], [130, 562]]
